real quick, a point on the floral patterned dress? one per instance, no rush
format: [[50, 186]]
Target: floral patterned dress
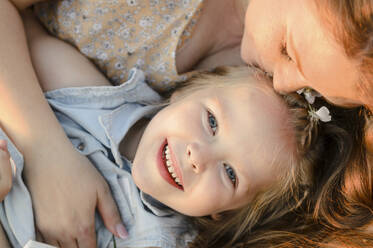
[[118, 35]]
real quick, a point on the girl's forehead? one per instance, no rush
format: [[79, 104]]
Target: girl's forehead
[[255, 83], [251, 121]]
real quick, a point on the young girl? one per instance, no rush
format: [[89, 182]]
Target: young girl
[[225, 148], [284, 51]]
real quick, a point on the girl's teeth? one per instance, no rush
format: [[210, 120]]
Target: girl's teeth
[[169, 165]]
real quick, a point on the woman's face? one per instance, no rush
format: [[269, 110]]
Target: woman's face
[[287, 38]]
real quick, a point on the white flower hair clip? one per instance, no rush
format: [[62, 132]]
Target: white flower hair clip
[[309, 94], [323, 114]]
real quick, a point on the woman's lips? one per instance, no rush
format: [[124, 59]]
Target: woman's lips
[[163, 168]]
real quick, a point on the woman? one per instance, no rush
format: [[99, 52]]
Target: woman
[[285, 58]]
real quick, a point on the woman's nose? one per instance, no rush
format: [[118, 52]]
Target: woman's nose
[[287, 78], [198, 157]]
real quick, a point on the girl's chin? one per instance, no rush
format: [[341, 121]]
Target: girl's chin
[[140, 181], [135, 176]]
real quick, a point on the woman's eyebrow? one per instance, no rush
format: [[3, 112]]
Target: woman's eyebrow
[[256, 66]]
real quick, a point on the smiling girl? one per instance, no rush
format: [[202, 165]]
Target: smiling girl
[[332, 56], [226, 148]]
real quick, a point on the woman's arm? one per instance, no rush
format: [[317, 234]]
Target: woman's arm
[[57, 63], [58, 177]]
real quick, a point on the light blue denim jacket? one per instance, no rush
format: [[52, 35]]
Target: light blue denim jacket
[[96, 119]]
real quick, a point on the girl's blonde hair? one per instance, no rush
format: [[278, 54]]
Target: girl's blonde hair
[[275, 209]]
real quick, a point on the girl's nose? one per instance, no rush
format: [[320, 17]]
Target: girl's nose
[[197, 157]]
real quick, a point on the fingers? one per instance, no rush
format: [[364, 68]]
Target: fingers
[[109, 213], [4, 145], [71, 243], [75, 231], [50, 241], [3, 239], [86, 238], [5, 170], [65, 207]]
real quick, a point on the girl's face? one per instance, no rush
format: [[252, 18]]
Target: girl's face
[[288, 39], [212, 150]]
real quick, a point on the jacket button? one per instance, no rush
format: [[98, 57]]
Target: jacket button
[[81, 146]]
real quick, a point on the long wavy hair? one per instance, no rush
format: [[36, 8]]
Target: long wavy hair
[[351, 24], [284, 214]]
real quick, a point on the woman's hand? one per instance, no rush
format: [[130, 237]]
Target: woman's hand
[[65, 195], [66, 189], [5, 170]]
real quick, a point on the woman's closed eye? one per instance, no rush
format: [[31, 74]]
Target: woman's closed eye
[[284, 51], [256, 66], [231, 174], [212, 122]]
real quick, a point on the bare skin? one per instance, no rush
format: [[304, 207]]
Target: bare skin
[[69, 223], [5, 183], [3, 239], [216, 40], [19, 89], [55, 158], [5, 170], [81, 72]]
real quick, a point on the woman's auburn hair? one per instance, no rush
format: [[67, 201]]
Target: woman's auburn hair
[[351, 24], [285, 212]]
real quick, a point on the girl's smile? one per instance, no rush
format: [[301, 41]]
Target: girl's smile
[[168, 167]]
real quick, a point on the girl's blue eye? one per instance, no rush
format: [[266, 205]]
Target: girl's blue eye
[[212, 122], [231, 174]]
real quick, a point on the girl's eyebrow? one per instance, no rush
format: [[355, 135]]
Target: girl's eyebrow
[[220, 110], [220, 103]]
